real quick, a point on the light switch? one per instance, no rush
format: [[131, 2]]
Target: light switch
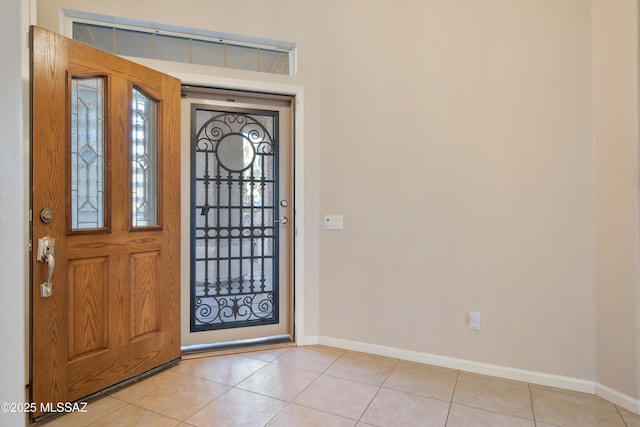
[[333, 222], [474, 320]]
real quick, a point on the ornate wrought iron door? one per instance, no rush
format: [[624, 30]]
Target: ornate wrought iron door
[[234, 242]]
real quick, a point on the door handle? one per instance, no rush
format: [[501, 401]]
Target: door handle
[[282, 220], [46, 248]]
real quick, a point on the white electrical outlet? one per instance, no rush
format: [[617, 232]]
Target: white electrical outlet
[[474, 320]]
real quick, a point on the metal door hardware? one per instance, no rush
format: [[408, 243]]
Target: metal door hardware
[[282, 220], [46, 250]]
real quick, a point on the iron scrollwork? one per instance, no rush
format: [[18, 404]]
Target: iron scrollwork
[[234, 271]]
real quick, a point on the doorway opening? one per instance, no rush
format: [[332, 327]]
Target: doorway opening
[[240, 217]]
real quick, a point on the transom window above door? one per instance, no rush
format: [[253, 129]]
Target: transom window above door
[[170, 43]]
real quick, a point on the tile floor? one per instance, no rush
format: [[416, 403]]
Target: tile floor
[[323, 386]]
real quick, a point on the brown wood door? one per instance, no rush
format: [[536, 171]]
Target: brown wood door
[[105, 163]]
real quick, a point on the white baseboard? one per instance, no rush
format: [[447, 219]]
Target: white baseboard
[[533, 377], [620, 399], [312, 340]]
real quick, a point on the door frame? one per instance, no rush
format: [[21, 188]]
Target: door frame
[[280, 109], [297, 93]]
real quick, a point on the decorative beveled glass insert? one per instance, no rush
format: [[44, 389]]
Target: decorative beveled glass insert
[[234, 243], [87, 153], [144, 168]]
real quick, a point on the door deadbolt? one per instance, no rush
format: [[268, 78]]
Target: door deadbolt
[[46, 215]]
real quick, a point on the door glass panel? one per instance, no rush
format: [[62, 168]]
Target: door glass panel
[[144, 180], [234, 278], [87, 153]]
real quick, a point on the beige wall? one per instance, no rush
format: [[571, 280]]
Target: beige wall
[[472, 149], [615, 129], [456, 141]]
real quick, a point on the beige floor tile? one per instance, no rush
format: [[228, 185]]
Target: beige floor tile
[[183, 398], [95, 410], [136, 390], [464, 416], [134, 416], [334, 387], [361, 367], [294, 416], [267, 355], [426, 380], [395, 408], [566, 408], [507, 397], [632, 420], [187, 366], [238, 408], [311, 358], [338, 396], [279, 381], [230, 370]]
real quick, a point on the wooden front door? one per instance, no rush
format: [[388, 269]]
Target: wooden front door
[[105, 227]]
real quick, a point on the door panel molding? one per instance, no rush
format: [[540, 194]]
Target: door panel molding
[[88, 306], [145, 298]]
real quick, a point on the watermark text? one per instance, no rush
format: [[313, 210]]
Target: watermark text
[[23, 407]]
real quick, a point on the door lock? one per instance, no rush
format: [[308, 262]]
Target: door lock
[[46, 215], [282, 220]]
